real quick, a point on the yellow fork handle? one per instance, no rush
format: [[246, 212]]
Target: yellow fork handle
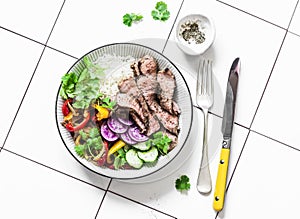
[[220, 188]]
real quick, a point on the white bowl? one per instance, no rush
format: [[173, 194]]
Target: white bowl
[[182, 96], [190, 45]]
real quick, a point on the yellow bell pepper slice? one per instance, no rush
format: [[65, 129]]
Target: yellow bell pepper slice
[[116, 146], [103, 112]]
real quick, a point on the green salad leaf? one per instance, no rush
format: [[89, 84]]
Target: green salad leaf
[[161, 11], [120, 160], [183, 183], [68, 85], [128, 19], [92, 142], [161, 141], [108, 103], [87, 87]]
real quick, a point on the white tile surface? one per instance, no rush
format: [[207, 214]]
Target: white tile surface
[[16, 72], [83, 27], [31, 18], [277, 12], [163, 195], [295, 24], [32, 191], [265, 183], [35, 134], [235, 40], [117, 207], [279, 108]]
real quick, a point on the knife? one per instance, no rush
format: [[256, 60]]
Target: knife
[[227, 125]]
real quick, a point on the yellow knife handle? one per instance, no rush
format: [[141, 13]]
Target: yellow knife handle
[[220, 188]]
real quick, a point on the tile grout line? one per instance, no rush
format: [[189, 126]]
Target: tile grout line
[[102, 200], [140, 203], [172, 27], [31, 78], [51, 168], [269, 22], [273, 139], [250, 130], [35, 41]]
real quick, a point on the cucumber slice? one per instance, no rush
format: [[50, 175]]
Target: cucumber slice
[[133, 159], [148, 156], [142, 146]]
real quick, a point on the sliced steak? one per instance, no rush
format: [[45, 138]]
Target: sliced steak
[[138, 122], [167, 84], [148, 66], [147, 86], [169, 122], [129, 86], [127, 101], [136, 69], [153, 125]]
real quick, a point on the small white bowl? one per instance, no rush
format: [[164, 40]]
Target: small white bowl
[[184, 35]]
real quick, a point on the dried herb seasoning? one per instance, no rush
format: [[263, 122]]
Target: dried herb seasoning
[[190, 32]]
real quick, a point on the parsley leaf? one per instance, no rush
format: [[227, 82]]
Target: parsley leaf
[[182, 183], [108, 103], [120, 160], [80, 149], [68, 85], [162, 142], [92, 142], [161, 11], [128, 19]]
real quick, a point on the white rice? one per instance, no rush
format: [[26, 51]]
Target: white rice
[[117, 68]]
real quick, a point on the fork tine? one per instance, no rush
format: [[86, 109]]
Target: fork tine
[[209, 77], [200, 77], [205, 77]]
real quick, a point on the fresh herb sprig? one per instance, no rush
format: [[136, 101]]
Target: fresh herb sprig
[[161, 141], [128, 19], [161, 11], [92, 142], [87, 87], [183, 183]]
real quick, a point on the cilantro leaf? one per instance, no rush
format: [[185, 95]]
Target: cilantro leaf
[[108, 103], [161, 6], [120, 160], [128, 19], [94, 133], [162, 142], [68, 85], [160, 12], [182, 183], [79, 149]]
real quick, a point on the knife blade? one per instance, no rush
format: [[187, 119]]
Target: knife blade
[[227, 126]]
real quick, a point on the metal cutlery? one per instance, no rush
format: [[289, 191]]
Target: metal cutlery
[[204, 99], [227, 125]]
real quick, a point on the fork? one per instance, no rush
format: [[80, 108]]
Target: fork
[[204, 99]]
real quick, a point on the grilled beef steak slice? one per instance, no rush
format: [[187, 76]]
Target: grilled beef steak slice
[[153, 125], [148, 87], [129, 86], [127, 101], [170, 122], [148, 66], [138, 122], [167, 84], [135, 68]]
